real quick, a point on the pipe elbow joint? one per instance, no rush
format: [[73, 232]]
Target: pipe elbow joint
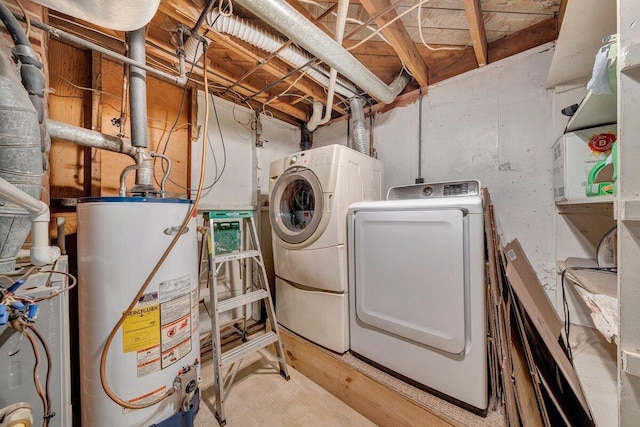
[[44, 255]]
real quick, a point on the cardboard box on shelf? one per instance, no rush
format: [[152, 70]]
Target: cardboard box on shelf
[[574, 155]]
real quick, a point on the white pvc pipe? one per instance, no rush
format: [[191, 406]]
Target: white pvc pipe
[[41, 253], [284, 18], [341, 21]]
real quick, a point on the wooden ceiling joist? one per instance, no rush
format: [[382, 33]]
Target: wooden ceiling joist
[[397, 35], [476, 28], [275, 67]]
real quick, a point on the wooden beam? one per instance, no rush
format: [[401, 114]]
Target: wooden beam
[[377, 401], [399, 38], [561, 11], [274, 67], [528, 38], [476, 28], [224, 77]]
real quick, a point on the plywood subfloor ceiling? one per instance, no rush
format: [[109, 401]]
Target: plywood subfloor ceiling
[[432, 41]]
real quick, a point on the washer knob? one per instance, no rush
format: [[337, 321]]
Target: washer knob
[[427, 191], [293, 160]]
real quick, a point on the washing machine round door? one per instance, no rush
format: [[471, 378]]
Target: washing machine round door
[[296, 205]]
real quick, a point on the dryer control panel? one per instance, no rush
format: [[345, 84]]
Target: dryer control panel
[[434, 190]]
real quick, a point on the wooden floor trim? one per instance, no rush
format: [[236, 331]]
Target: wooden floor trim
[[376, 401]]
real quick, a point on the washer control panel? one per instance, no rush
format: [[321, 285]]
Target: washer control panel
[[433, 190]]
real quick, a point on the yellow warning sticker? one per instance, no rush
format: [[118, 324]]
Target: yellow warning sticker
[[141, 328]]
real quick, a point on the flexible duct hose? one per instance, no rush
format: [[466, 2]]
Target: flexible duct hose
[[359, 137], [239, 28]]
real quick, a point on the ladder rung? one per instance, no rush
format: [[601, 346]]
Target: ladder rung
[[236, 255], [250, 346], [240, 300]]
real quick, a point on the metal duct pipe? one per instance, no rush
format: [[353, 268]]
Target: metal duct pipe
[[138, 112], [359, 137], [137, 88], [89, 138], [284, 18]]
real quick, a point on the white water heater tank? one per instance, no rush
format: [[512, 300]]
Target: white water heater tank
[[120, 240]]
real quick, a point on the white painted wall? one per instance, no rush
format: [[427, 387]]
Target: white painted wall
[[240, 168], [279, 139], [495, 124]]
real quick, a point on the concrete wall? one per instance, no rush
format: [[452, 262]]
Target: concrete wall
[[238, 168], [495, 124]]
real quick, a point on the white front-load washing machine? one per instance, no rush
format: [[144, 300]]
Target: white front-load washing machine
[[418, 288], [310, 193]]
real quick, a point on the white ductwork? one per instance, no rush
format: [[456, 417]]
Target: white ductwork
[[239, 28], [285, 19], [121, 15]]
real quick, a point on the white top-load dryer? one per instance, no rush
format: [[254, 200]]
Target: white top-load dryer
[[310, 193], [418, 289]]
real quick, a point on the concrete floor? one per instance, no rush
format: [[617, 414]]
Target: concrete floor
[[261, 397]]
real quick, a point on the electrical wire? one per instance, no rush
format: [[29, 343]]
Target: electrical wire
[[73, 284], [366, 39], [134, 301], [229, 10], [48, 414], [20, 325], [428, 46], [352, 20], [565, 303]]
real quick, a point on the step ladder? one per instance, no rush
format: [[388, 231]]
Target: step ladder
[[231, 236]]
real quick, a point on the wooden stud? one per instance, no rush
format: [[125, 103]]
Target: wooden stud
[[397, 35], [476, 28]]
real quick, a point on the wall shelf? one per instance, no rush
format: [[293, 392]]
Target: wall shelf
[[595, 110], [586, 205]]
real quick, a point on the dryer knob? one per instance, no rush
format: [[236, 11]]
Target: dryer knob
[[293, 160]]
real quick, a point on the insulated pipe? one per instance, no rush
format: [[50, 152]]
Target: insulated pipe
[[284, 18], [89, 138]]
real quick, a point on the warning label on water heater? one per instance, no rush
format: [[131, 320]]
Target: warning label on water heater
[[175, 319], [140, 327]]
